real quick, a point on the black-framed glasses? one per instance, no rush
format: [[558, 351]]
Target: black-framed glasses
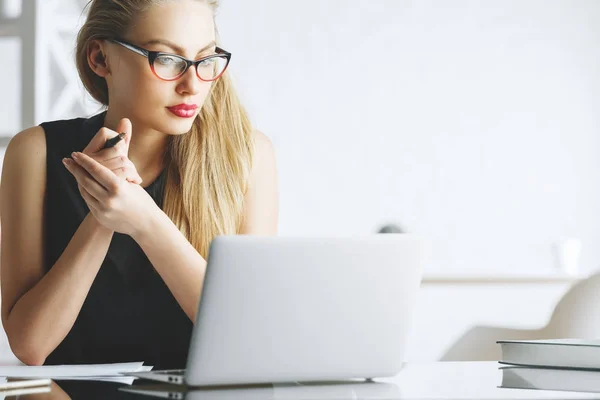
[[169, 67]]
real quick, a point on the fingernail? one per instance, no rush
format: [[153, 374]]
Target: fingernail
[[73, 154], [66, 161]]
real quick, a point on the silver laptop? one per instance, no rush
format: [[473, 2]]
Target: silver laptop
[[302, 309]]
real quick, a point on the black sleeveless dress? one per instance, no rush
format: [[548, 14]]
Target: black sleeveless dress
[[129, 313]]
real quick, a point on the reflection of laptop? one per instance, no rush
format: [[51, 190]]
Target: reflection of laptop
[[284, 309], [325, 391]]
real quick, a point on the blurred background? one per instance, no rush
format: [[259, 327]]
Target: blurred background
[[471, 123]]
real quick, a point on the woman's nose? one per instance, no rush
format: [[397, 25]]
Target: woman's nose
[[189, 82]]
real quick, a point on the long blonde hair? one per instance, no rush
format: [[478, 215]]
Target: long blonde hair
[[209, 166]]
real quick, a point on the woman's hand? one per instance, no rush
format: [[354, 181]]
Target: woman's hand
[[115, 158], [117, 204]]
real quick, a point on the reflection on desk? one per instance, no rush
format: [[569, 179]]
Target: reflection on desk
[[437, 380], [330, 390]]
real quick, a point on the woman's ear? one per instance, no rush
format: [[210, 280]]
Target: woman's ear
[[97, 58]]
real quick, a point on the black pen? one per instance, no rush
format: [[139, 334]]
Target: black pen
[[113, 141]]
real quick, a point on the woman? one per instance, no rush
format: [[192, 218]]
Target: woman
[[103, 250]]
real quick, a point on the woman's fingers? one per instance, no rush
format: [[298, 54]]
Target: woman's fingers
[[115, 158], [107, 154], [136, 179], [100, 174], [84, 180], [115, 163], [91, 201], [123, 168], [98, 141]]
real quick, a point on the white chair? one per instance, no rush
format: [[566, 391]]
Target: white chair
[[575, 316]]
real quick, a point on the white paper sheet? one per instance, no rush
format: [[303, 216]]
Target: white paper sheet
[[72, 371], [126, 380]]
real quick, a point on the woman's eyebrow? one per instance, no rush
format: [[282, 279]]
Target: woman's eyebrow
[[175, 47]]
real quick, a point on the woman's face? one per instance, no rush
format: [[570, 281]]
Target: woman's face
[[185, 28]]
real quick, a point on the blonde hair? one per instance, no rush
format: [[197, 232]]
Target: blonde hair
[[209, 166]]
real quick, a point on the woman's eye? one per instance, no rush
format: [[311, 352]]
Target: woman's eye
[[206, 63], [166, 60]]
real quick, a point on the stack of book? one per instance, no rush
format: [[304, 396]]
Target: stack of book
[[561, 364]]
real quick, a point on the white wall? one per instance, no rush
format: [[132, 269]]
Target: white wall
[[473, 123], [10, 87]]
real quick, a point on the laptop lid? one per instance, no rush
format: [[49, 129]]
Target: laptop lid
[[281, 309]]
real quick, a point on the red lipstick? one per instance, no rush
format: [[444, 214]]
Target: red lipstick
[[184, 110]]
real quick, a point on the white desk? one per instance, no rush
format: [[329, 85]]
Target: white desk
[[437, 380]]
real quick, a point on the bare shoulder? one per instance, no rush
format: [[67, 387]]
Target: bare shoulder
[[262, 198], [263, 146], [261, 140], [23, 169], [30, 143], [24, 166], [265, 162], [25, 158]]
